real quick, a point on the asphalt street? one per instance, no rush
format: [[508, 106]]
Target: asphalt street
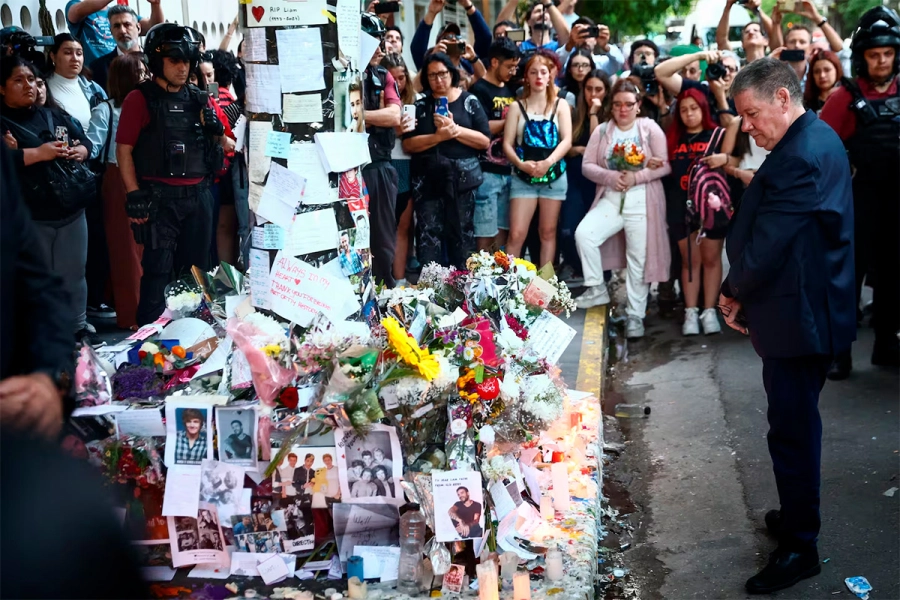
[[697, 478]]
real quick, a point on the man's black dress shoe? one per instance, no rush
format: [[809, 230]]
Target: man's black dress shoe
[[773, 522], [840, 368], [786, 567]]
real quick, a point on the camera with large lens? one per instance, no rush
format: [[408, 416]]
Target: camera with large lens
[[715, 71], [647, 75]]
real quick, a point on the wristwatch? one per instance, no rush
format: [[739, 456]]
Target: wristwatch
[[823, 22]]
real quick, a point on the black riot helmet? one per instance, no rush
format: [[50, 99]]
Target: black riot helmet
[[372, 25], [173, 41], [879, 27]]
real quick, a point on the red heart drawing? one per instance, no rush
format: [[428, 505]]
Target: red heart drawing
[[258, 12], [489, 388], [297, 281]]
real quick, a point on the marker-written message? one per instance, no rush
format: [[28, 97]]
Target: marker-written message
[[300, 291]]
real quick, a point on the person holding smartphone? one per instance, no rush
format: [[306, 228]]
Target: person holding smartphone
[[419, 44]]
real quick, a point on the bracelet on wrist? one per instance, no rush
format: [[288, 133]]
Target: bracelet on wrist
[[823, 22]]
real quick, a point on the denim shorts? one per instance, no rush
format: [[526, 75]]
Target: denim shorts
[[549, 191], [492, 205]]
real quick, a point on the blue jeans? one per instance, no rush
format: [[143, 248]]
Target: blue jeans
[[492, 205], [579, 197]]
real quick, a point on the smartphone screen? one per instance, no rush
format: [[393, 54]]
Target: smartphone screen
[[793, 55], [387, 7], [213, 89], [516, 35]]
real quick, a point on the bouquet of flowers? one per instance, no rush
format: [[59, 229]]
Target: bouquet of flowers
[[132, 460], [626, 157]]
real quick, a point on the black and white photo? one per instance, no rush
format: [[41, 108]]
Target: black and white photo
[[370, 468], [222, 486], [237, 428], [197, 539]]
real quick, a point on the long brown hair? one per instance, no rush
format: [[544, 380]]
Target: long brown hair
[[124, 76], [811, 94], [392, 60], [551, 86], [581, 110]]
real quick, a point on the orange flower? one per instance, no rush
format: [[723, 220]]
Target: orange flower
[[502, 259], [179, 351], [159, 359]]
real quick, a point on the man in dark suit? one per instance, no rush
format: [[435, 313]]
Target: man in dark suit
[[124, 24], [303, 478], [791, 284]]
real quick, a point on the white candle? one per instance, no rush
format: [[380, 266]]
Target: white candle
[[487, 581], [356, 589], [560, 493], [554, 565], [547, 508], [521, 586], [305, 595], [509, 562]]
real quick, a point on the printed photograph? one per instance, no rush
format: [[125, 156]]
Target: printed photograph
[[188, 434], [370, 467], [258, 542], [350, 185], [458, 505], [237, 435], [351, 259], [222, 485], [308, 474]]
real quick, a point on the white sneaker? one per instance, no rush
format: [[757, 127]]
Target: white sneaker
[[634, 328], [400, 283], [691, 322], [596, 295], [709, 318]]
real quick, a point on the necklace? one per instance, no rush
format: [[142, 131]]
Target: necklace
[[693, 137]]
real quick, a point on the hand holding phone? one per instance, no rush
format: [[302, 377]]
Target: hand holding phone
[[382, 8]]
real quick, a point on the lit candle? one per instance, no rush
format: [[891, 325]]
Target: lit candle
[[558, 457], [521, 586], [547, 508], [487, 581], [554, 565], [356, 589], [560, 493], [509, 561]]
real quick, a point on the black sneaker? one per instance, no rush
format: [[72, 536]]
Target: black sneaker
[[787, 566], [87, 336], [104, 311]]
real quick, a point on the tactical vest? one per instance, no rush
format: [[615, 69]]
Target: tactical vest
[[381, 139], [173, 144], [875, 146]]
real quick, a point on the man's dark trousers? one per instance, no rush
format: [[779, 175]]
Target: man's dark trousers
[[381, 181], [795, 441]]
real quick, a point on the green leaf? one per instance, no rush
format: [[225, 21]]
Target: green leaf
[[479, 373]]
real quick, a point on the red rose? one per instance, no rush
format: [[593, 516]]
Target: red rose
[[289, 397]]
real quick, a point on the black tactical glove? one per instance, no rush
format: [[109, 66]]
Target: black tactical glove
[[137, 204], [142, 233], [211, 123]]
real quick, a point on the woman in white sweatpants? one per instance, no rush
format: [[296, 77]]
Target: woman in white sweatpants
[[628, 217]]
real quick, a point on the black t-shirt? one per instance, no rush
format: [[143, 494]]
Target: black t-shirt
[[469, 515], [466, 111], [495, 101], [687, 84], [690, 147]]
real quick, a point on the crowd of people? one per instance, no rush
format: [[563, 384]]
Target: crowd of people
[[539, 135]]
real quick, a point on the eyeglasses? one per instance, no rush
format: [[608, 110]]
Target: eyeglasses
[[730, 68], [581, 66], [438, 75], [628, 105]]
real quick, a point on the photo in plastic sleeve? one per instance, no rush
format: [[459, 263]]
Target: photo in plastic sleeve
[[257, 523], [370, 468], [197, 540], [349, 112], [361, 222], [308, 474], [300, 529], [222, 485], [189, 433], [237, 427], [351, 259], [144, 522], [365, 525], [350, 185], [263, 543], [458, 505]]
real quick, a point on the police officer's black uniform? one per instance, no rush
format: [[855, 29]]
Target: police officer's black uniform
[[179, 143], [380, 176]]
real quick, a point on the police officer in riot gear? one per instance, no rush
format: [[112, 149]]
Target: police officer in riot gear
[[169, 145], [381, 98], [866, 114]]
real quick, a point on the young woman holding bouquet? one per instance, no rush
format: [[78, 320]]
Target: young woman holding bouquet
[[626, 226], [537, 136], [689, 137]]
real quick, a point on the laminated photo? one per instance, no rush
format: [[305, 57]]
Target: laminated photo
[[350, 257], [365, 525], [350, 184], [458, 505], [221, 485], [370, 468], [189, 434], [308, 474], [361, 221], [197, 540], [237, 427]]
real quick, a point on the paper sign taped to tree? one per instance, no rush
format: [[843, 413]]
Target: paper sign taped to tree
[[300, 291], [271, 13]]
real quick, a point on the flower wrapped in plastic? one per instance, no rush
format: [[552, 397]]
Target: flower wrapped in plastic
[[269, 375], [93, 386], [183, 298]]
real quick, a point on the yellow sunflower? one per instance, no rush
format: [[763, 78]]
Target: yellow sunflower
[[524, 263], [408, 349]]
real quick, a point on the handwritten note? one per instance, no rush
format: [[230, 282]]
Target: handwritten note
[[300, 60], [379, 561], [182, 495], [268, 237], [271, 13], [282, 194], [259, 162], [277, 144], [343, 151], [273, 570], [240, 133], [255, 46], [306, 108], [348, 30], [304, 160], [300, 291], [140, 423], [549, 337], [259, 278], [264, 88], [312, 232]]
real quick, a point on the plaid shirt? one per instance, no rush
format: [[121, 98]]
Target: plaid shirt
[[187, 455]]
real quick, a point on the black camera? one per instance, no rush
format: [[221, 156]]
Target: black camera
[[715, 71], [647, 75], [593, 31]]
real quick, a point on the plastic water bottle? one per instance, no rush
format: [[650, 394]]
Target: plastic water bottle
[[412, 540], [632, 411]]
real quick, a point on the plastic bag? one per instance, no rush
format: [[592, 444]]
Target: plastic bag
[[269, 377], [93, 386]]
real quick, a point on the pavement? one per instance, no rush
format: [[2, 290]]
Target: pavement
[[696, 475]]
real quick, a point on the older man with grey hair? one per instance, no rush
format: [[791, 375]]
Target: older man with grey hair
[[791, 288], [125, 27]]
